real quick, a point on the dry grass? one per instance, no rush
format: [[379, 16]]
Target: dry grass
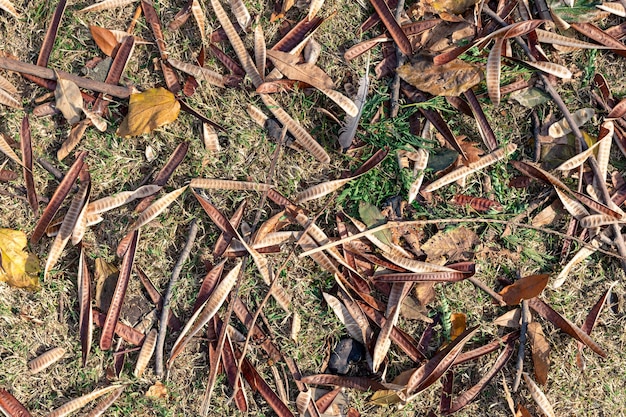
[[30, 323]]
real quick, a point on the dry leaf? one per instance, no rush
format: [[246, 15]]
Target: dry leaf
[[451, 79], [68, 100], [455, 244], [149, 110], [459, 323], [104, 38], [541, 352], [105, 277], [158, 390], [524, 288], [18, 268]]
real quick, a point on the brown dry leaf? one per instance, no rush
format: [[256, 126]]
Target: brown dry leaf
[[104, 38], [105, 277], [68, 100], [509, 319], [17, 268], [451, 79], [455, 244], [524, 289], [158, 390], [541, 352], [472, 151], [308, 73], [149, 110]]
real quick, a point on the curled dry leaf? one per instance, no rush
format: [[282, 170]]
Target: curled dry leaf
[[149, 110], [450, 79], [158, 390], [104, 38], [524, 288], [68, 99], [19, 268]]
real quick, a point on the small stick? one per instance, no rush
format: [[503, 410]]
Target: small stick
[[400, 57], [519, 364], [497, 297], [48, 166], [167, 297], [49, 74], [56, 173]]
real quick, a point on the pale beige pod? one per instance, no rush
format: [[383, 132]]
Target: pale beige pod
[[146, 352], [46, 359]]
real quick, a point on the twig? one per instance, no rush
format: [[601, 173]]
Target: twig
[[519, 363], [497, 297], [167, 297], [400, 58], [49, 74]]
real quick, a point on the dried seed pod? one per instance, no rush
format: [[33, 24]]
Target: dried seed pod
[[46, 359], [147, 350]]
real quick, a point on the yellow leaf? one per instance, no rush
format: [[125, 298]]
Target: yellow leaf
[[158, 390], [385, 397], [19, 268], [148, 110]]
